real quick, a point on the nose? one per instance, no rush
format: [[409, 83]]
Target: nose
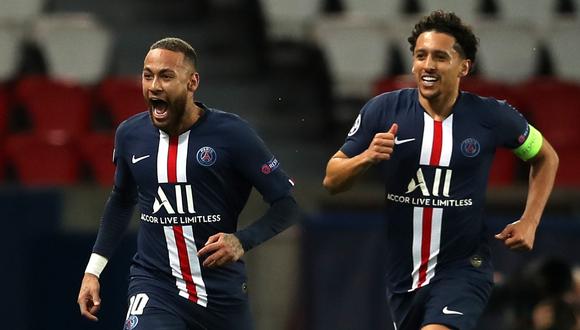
[[155, 84], [430, 63]]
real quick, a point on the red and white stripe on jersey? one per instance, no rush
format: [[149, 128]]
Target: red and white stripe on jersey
[[435, 151], [437, 141], [426, 242], [183, 260]]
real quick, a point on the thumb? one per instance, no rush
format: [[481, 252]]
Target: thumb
[[502, 235], [95, 298], [394, 128]]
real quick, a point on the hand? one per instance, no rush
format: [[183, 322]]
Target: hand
[[381, 146], [220, 249], [89, 300], [519, 235]]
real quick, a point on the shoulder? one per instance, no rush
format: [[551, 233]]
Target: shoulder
[[229, 122], [482, 103], [133, 122], [230, 125], [133, 125], [491, 112], [406, 95], [390, 103]]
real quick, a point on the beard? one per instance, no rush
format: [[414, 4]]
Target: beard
[[175, 114], [430, 95]]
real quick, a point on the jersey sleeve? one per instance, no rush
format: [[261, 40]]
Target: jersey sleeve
[[258, 165], [365, 126], [120, 205], [123, 178], [514, 132]]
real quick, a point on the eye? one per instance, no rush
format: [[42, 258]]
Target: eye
[[147, 76]]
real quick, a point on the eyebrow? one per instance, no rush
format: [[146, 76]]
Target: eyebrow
[[436, 52], [164, 70]]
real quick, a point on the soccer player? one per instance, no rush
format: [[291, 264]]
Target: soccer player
[[190, 169], [433, 146]]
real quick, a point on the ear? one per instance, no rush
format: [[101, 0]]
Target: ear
[[193, 82], [465, 68]]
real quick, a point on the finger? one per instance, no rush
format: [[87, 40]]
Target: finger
[[213, 238], [211, 260], [94, 310], [514, 241], [501, 236], [384, 137], [504, 234], [209, 248], [223, 260], [383, 149], [394, 128], [384, 143], [86, 311], [90, 316]]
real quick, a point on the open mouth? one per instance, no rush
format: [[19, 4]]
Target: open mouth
[[159, 108], [429, 80]]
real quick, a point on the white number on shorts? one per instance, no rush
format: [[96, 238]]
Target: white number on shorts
[[137, 304]]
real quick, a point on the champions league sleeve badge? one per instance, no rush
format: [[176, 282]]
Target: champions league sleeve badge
[[355, 127], [206, 156]]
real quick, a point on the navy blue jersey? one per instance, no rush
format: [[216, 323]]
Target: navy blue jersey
[[188, 188], [435, 180]]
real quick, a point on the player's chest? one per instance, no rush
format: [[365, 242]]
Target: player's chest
[[186, 158], [456, 141]]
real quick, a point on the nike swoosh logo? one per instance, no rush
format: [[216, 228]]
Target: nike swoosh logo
[[136, 160], [397, 141], [447, 311]]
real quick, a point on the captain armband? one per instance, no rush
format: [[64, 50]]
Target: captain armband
[[531, 145], [96, 264]]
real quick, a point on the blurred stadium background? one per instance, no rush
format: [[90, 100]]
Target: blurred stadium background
[[299, 71]]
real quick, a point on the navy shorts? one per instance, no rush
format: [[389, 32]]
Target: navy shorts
[[151, 308], [454, 302]]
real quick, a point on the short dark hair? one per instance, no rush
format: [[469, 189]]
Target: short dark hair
[[177, 45], [449, 23]]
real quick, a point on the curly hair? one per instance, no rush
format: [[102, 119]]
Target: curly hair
[[449, 23], [179, 46]]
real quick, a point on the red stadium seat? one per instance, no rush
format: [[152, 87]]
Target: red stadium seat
[[4, 106], [503, 168], [39, 160], [554, 108], [393, 83], [97, 152], [568, 175], [122, 96], [2, 163], [55, 106]]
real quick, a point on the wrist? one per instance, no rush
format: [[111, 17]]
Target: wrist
[[96, 265]]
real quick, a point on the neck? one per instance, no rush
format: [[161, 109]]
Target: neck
[[190, 117], [439, 107]]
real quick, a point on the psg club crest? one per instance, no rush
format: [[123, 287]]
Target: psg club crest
[[131, 323], [470, 147], [206, 156]]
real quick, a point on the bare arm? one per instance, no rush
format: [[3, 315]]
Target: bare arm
[[543, 167], [342, 171]]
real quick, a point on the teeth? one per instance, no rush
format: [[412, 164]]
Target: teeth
[[430, 79]]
